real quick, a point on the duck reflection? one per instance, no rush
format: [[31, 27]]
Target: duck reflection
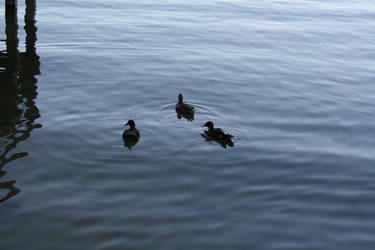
[[224, 143], [187, 116], [17, 90], [130, 143]]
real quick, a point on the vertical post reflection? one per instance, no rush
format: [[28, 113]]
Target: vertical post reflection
[[30, 66], [17, 89], [10, 61]]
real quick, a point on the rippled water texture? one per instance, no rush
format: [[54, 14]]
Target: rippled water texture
[[293, 81]]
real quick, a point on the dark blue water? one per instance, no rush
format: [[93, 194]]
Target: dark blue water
[[291, 80]]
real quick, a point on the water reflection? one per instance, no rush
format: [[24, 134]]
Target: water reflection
[[18, 111], [223, 143], [130, 143], [187, 116]]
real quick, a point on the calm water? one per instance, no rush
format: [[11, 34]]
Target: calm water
[[293, 81]]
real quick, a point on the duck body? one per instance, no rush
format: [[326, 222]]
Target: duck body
[[182, 107], [216, 133], [132, 133]]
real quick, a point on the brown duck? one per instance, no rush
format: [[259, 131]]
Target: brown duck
[[131, 134], [182, 107], [216, 133]]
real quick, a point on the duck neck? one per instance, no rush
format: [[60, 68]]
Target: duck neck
[[180, 99]]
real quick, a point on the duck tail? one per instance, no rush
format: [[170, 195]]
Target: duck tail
[[228, 136]]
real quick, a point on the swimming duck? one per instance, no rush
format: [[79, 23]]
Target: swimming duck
[[182, 107], [131, 134], [216, 133]]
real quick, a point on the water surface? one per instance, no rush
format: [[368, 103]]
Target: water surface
[[292, 81]]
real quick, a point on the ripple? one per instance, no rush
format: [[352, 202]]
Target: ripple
[[153, 143], [188, 127], [193, 129]]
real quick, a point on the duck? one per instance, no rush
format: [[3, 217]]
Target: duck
[[131, 134], [216, 133], [182, 107]]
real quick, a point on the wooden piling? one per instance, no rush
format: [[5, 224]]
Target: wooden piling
[[11, 30], [11, 3]]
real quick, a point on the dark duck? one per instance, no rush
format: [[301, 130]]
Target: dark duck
[[218, 135], [184, 110], [182, 107], [131, 134]]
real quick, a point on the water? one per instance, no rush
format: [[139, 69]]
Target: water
[[291, 80]]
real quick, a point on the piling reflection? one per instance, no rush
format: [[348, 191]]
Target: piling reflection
[[18, 111]]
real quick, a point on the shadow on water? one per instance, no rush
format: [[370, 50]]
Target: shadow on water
[[17, 90]]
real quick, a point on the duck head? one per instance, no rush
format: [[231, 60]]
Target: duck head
[[180, 98], [130, 123], [209, 124]]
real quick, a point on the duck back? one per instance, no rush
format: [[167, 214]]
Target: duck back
[[184, 108], [131, 134], [218, 133]]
